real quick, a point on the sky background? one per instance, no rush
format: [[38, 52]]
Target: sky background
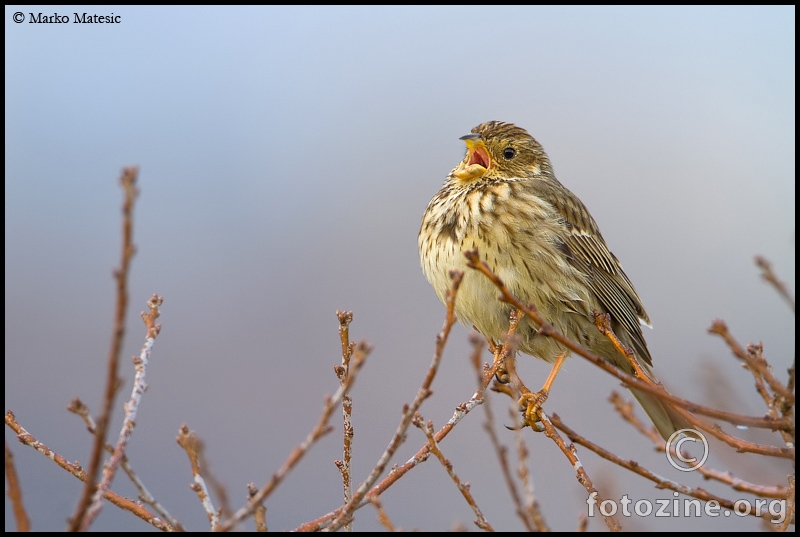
[[286, 157]]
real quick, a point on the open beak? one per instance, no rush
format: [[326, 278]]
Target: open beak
[[477, 161]]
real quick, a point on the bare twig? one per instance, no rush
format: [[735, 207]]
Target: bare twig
[[131, 409], [625, 409], [771, 278], [580, 472], [383, 517], [190, 442], [408, 412], [583, 522], [531, 523], [345, 318], [79, 407], [532, 507], [790, 505], [759, 365], [755, 362], [327, 521], [319, 430], [633, 466], [15, 494], [545, 329], [463, 488], [75, 469], [214, 484], [128, 180], [260, 513]]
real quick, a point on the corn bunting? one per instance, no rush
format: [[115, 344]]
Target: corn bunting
[[540, 239]]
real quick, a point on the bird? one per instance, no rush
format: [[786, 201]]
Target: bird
[[504, 200]]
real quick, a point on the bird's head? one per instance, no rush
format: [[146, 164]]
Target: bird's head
[[498, 150]]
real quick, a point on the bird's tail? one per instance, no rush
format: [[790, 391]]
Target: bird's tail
[[663, 416]]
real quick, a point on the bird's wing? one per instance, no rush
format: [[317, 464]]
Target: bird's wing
[[588, 252]]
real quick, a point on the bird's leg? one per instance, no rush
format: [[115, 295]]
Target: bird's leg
[[531, 402], [603, 323]]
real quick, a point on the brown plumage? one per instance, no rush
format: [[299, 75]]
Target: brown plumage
[[540, 239]]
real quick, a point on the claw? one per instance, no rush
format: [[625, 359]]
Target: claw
[[529, 404], [501, 373]]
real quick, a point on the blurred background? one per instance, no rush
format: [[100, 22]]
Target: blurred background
[[286, 157]]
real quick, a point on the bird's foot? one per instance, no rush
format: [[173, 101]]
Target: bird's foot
[[529, 405]]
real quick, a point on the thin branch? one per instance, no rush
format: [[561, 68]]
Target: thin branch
[[532, 507], [15, 494], [79, 407], [397, 472], [790, 505], [580, 472], [216, 486], [190, 442], [772, 279], [408, 411], [625, 409], [463, 488], [345, 318], [633, 466], [602, 322], [757, 363], [75, 469], [501, 451], [131, 409], [260, 513], [383, 517], [545, 329], [319, 430], [128, 180]]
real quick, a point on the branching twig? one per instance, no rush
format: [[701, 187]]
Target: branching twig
[[532, 507], [325, 521], [320, 429], [580, 472], [757, 363], [545, 329], [75, 469], [128, 180], [189, 441], [463, 488], [661, 482], [345, 318], [408, 411], [531, 523], [79, 407], [625, 409], [131, 409]]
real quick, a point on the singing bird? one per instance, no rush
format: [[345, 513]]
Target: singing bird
[[540, 239]]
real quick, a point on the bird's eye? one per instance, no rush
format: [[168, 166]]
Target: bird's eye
[[508, 153]]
